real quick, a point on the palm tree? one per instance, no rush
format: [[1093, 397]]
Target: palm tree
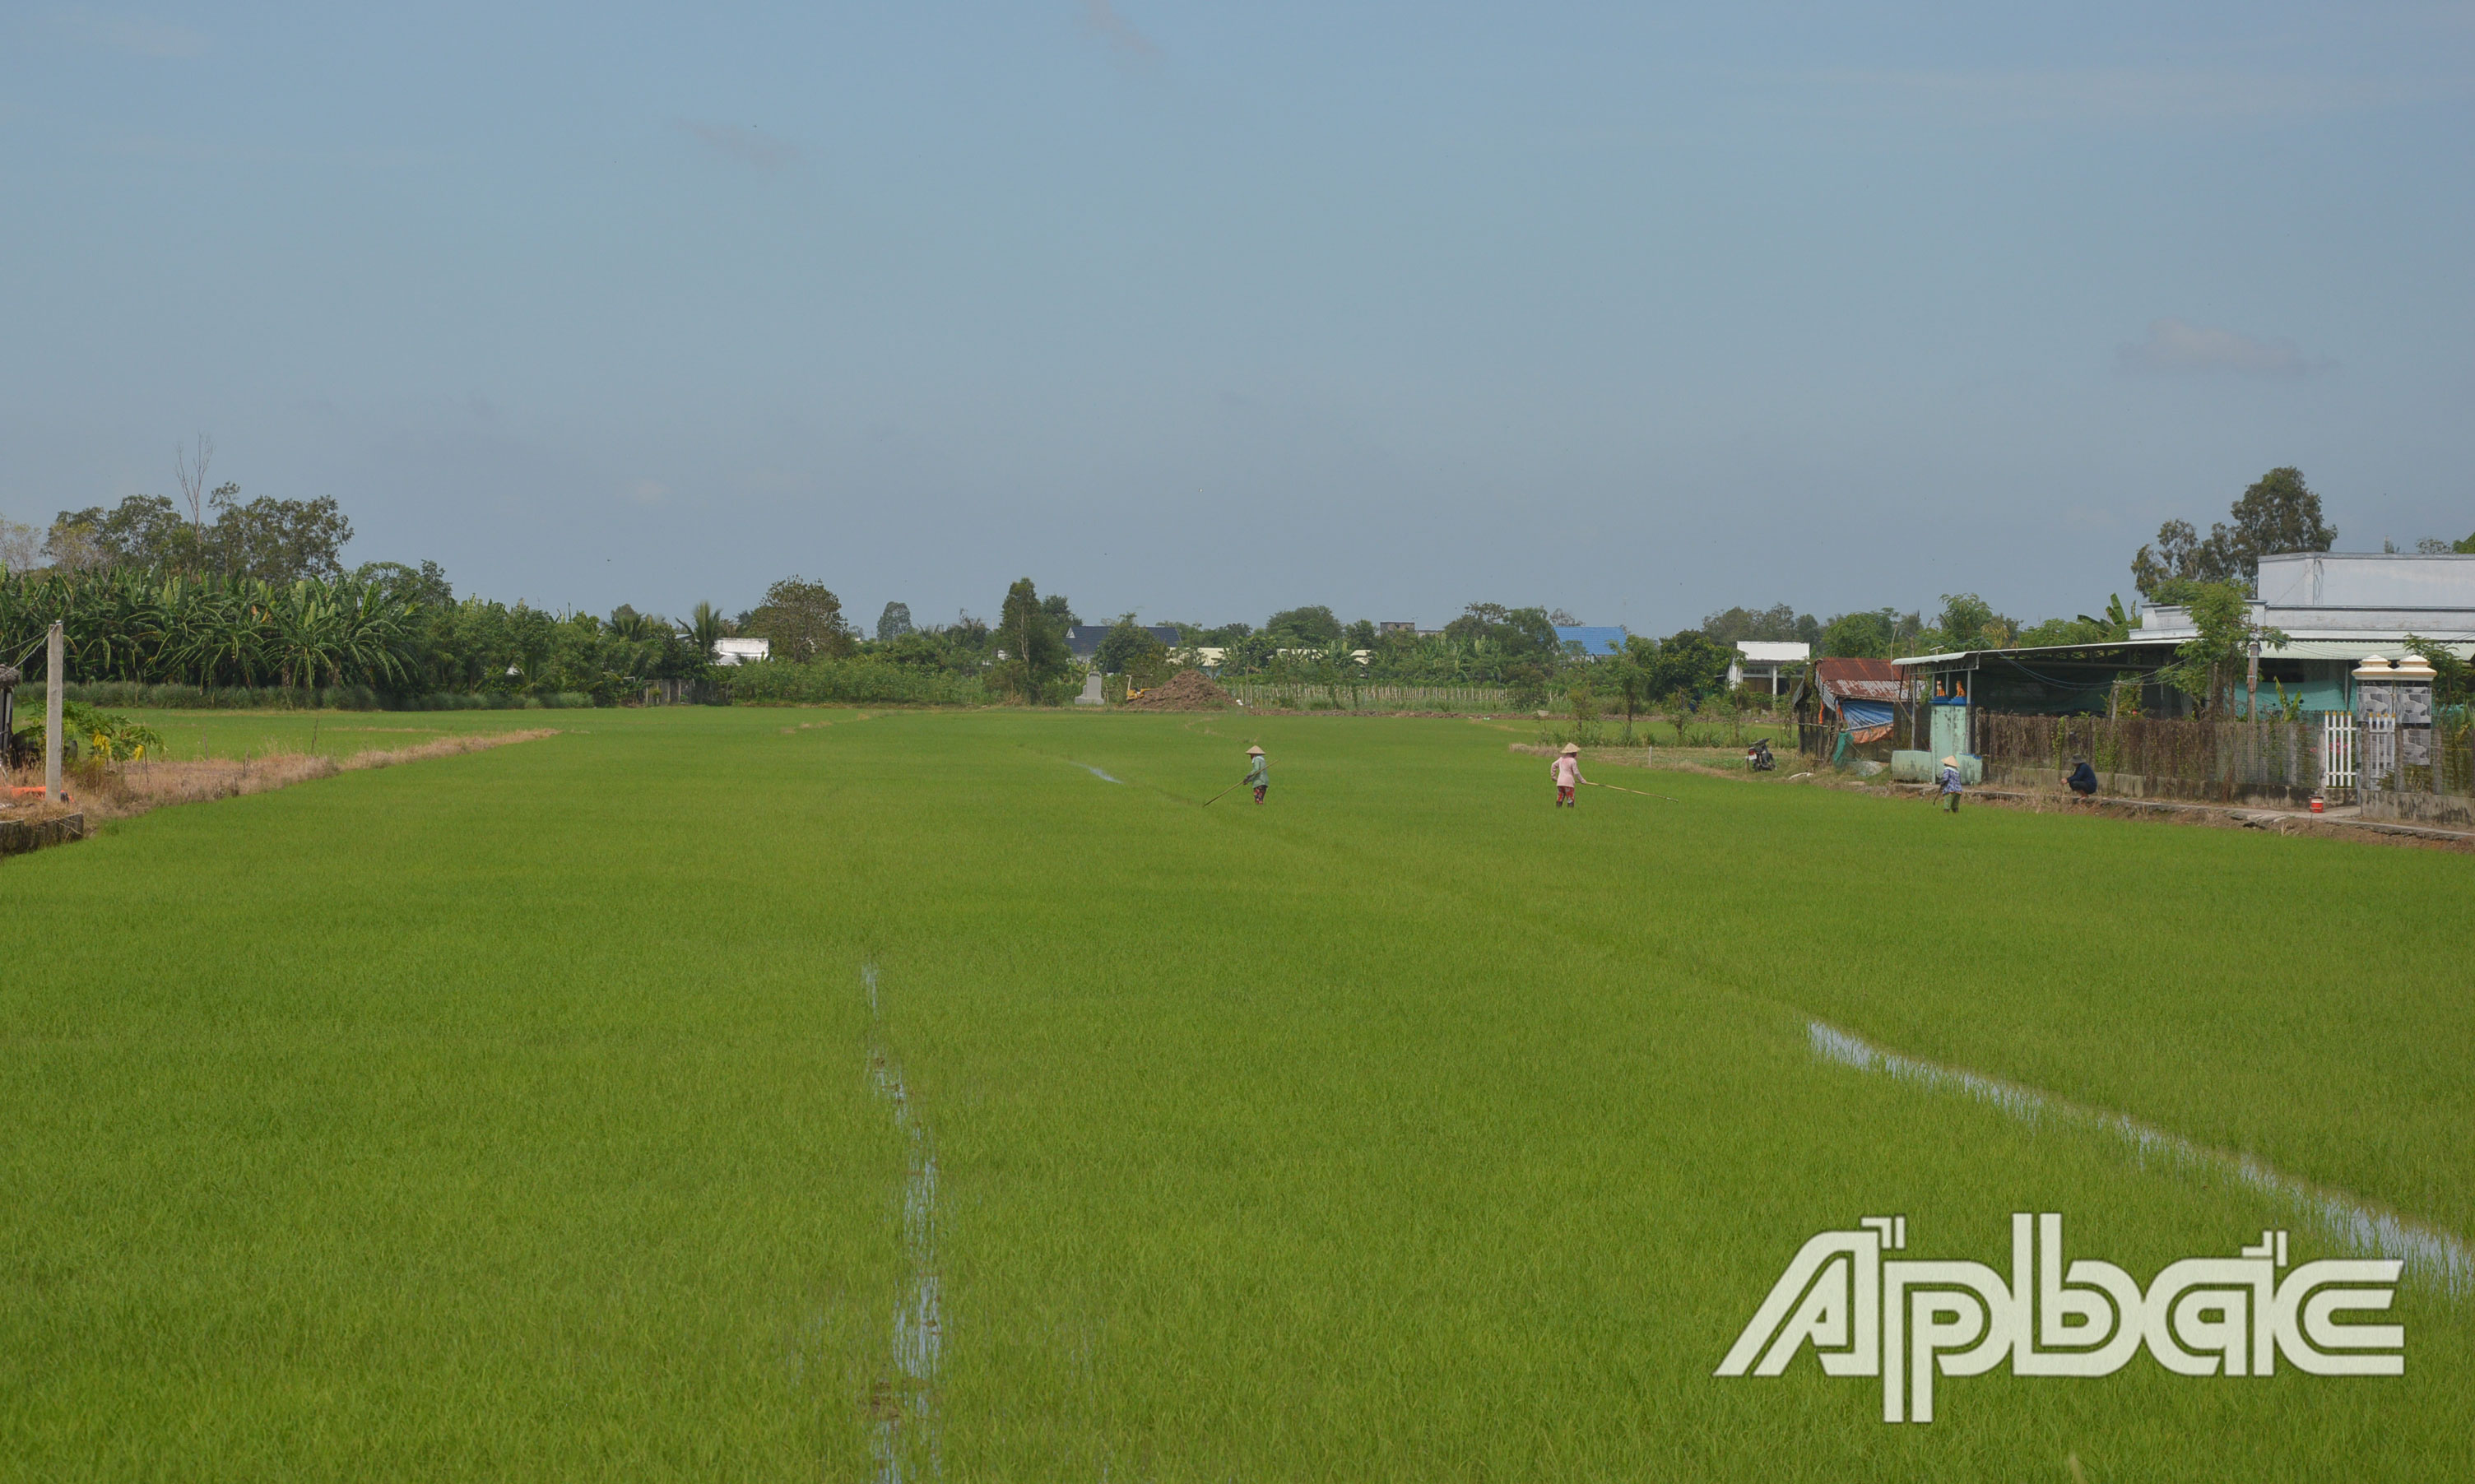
[[636, 628], [704, 627]]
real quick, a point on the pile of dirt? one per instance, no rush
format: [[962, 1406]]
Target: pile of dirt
[[1189, 690]]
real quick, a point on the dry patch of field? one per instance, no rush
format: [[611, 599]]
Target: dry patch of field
[[124, 791]]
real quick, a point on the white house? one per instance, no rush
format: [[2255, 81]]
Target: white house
[[1762, 659], [739, 651]]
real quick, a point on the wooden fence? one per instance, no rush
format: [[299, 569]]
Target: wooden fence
[[1486, 700], [2194, 759], [2453, 754]]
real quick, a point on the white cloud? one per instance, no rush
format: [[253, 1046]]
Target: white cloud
[[2183, 346], [145, 37], [750, 145], [2130, 96]]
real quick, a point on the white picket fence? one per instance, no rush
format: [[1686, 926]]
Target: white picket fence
[[2336, 751], [2357, 754]]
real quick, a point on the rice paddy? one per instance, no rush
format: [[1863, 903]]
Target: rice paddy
[[762, 1093]]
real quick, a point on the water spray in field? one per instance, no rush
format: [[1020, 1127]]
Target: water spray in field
[[904, 1405], [1096, 773], [2439, 1257]]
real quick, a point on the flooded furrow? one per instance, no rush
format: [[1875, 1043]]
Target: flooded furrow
[[902, 1405], [2435, 1257]]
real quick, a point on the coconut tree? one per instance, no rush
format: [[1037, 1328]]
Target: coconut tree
[[705, 627]]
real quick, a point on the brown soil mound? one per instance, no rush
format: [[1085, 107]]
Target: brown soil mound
[[1189, 690]]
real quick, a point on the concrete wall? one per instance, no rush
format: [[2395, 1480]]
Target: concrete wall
[[19, 836], [2134, 785], [2448, 811]]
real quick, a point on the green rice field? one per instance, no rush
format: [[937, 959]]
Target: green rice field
[[754, 1093]]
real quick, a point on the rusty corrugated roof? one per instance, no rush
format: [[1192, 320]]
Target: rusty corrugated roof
[[1861, 680]]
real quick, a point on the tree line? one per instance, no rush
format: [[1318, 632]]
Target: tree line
[[237, 596], [242, 594], [254, 592], [394, 631]]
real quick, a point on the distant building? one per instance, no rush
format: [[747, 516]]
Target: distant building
[[1595, 641], [1396, 626], [739, 651], [1084, 639], [1764, 660]]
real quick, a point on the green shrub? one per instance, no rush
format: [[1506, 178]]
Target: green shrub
[[88, 733], [860, 681]]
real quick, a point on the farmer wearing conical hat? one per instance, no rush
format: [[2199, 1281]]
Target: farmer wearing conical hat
[[1258, 773], [1567, 770], [1951, 784]]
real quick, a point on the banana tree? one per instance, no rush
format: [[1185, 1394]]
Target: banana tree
[[307, 633]]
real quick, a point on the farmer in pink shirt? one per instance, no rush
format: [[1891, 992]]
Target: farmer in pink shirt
[[1567, 769]]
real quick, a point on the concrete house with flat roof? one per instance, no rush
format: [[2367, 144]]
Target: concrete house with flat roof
[[2336, 609]]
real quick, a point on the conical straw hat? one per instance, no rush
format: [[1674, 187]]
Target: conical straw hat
[[1572, 747], [1255, 752]]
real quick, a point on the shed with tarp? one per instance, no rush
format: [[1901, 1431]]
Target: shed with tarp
[[1852, 708]]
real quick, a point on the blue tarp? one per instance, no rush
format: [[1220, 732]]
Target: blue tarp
[[1593, 639], [1863, 715]]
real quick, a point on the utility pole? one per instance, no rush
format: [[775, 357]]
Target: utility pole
[[52, 719], [2252, 671]]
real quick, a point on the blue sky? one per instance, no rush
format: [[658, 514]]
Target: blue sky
[[1207, 310]]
